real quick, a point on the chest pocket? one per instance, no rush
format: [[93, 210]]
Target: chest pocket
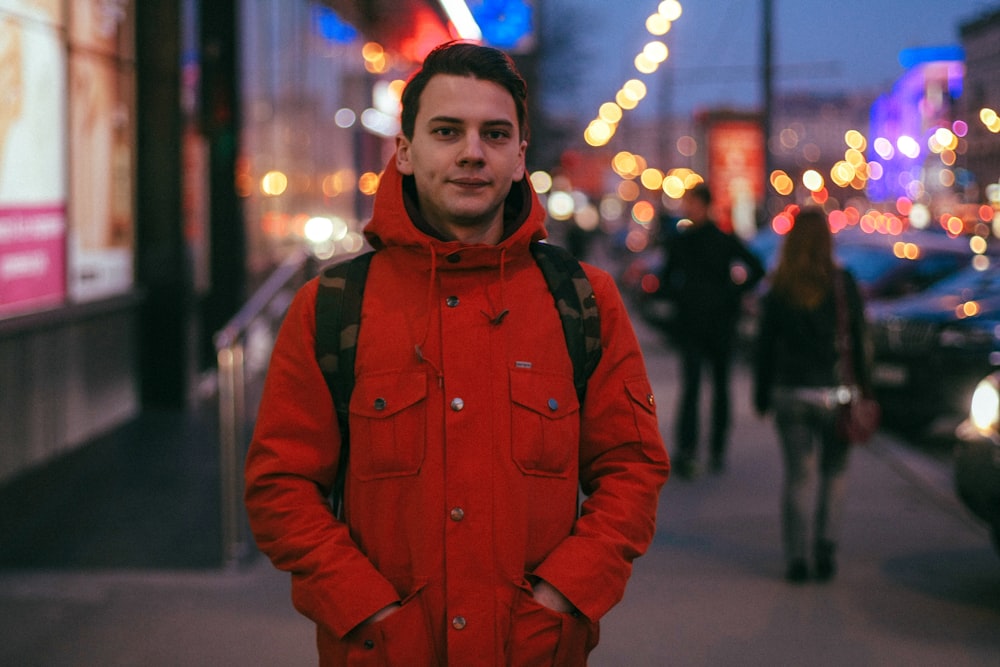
[[388, 425], [545, 423]]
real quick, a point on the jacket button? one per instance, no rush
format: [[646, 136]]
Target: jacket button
[[457, 514], [458, 622], [454, 259], [379, 404], [369, 644], [553, 404], [457, 404], [451, 301], [650, 399]]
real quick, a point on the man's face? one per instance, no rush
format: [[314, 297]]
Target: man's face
[[465, 153]]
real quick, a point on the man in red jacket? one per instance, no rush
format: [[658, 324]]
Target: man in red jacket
[[463, 539]]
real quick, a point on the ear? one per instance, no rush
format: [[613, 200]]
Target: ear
[[521, 168], [403, 164]]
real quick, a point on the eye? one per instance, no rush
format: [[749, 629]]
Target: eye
[[497, 135], [444, 131]]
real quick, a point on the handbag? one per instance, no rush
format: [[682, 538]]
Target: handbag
[[859, 417]]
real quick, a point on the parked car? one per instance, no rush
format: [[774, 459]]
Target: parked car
[[893, 266], [930, 349], [640, 283], [977, 456]]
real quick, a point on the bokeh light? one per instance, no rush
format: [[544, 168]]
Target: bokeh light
[[658, 24], [813, 180], [670, 9], [561, 205], [541, 181], [274, 183], [687, 146], [643, 212]]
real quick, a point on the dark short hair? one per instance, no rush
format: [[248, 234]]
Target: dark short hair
[[702, 192], [465, 59]]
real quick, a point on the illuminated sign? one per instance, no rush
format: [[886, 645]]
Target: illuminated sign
[[505, 24], [102, 144], [330, 26], [32, 156], [736, 172], [903, 120], [32, 258]]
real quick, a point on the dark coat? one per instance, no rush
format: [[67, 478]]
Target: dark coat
[[796, 347], [707, 271]]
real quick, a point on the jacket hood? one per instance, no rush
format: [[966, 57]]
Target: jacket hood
[[396, 220]]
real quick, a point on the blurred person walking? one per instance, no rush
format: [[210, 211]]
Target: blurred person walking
[[706, 273], [796, 375], [463, 539]]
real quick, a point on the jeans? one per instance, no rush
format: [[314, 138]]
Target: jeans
[[809, 443]]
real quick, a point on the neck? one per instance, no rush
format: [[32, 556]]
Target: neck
[[489, 234]]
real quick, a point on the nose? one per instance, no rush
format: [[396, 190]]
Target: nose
[[472, 149]]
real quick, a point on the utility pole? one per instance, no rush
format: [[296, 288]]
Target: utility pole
[[767, 75]]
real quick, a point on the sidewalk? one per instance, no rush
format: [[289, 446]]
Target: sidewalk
[[145, 495]]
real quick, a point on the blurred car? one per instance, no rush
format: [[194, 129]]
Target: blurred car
[[931, 349], [893, 266], [640, 283], [977, 456]]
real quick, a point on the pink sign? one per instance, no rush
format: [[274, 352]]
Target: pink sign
[[32, 257]]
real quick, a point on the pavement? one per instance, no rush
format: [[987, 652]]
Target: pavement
[[113, 559]]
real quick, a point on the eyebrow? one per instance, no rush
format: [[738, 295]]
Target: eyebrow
[[499, 122]]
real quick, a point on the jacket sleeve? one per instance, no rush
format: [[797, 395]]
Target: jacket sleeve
[[623, 465], [290, 468], [754, 267]]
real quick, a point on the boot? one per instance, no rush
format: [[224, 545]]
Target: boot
[[826, 564], [797, 572]]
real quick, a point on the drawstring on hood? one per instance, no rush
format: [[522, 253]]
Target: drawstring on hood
[[498, 318], [419, 347]]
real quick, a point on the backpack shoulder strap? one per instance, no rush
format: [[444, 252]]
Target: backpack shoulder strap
[[577, 306], [338, 320]]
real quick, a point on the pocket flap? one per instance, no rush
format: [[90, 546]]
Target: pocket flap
[[381, 396], [547, 394], [641, 393]]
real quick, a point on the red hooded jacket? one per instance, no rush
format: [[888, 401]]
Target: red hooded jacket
[[468, 454]]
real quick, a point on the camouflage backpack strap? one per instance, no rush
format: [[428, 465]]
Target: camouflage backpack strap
[[577, 306], [338, 320]]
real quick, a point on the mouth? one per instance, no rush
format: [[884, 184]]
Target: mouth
[[469, 183]]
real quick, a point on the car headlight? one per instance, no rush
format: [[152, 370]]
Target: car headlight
[[984, 413]]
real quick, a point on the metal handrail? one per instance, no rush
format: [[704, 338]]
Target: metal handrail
[[230, 349]]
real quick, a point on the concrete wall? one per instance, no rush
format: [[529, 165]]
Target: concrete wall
[[65, 377]]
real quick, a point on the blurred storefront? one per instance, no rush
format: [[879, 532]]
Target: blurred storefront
[[68, 292]]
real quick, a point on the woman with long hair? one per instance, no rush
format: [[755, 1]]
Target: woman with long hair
[[797, 376]]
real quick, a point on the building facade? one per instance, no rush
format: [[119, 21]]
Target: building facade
[[981, 41]]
